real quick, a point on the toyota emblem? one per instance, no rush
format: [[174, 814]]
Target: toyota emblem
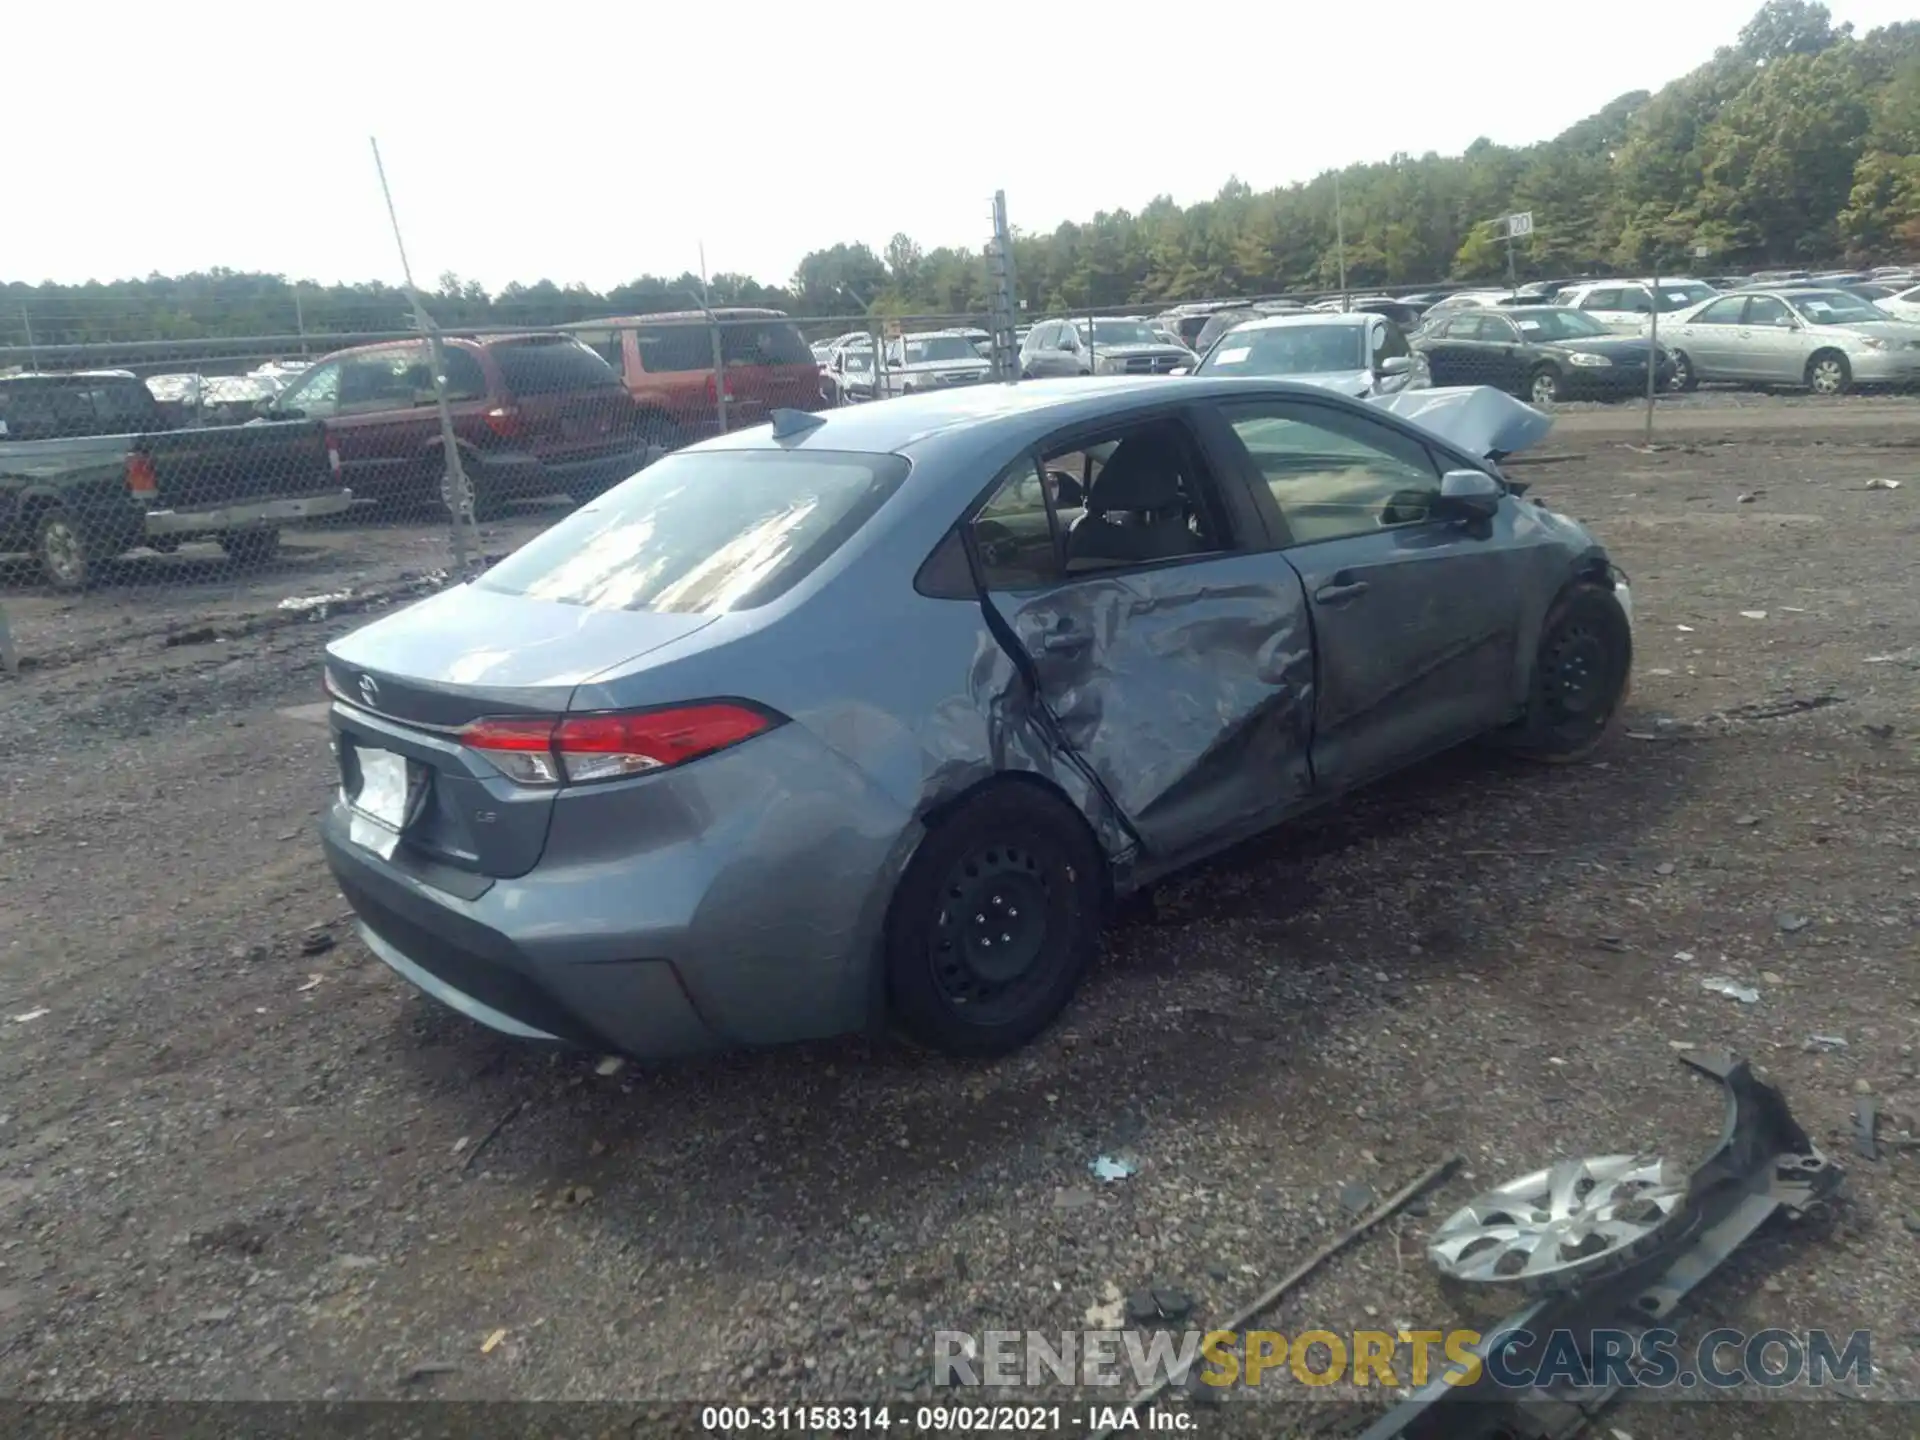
[[370, 691]]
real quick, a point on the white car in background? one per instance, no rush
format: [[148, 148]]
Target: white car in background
[[1902, 304], [1351, 353], [1627, 306]]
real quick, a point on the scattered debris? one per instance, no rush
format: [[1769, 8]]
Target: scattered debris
[[1356, 1197], [317, 941], [1880, 482], [219, 1315], [1106, 1167], [488, 1345], [1866, 1128], [357, 1262], [1152, 1307], [1732, 989], [610, 1065], [1746, 819], [1392, 1205], [488, 1138], [1110, 1312], [1790, 922], [1683, 956], [199, 635], [1747, 499], [574, 1196], [1779, 708], [25, 1015], [1753, 614], [307, 604], [1665, 867], [1616, 943], [425, 1370], [1684, 629], [313, 982], [1824, 1044]]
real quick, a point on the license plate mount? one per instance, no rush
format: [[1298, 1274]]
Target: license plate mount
[[387, 796]]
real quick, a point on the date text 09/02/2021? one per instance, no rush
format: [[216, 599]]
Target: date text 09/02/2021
[[938, 1419]]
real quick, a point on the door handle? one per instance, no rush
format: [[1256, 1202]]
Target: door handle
[[1063, 640], [1334, 594]]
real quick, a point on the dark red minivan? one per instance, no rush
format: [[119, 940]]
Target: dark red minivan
[[667, 362], [533, 415]]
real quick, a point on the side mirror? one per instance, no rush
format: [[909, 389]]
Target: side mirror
[[1468, 495], [1394, 365]]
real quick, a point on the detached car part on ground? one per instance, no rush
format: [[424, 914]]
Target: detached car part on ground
[[1613, 1244], [867, 718]]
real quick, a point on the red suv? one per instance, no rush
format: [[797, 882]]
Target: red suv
[[667, 362], [532, 414]]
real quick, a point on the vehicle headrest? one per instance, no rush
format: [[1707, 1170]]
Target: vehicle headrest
[[1143, 473]]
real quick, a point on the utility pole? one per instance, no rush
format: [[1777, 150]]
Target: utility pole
[[1001, 293], [1653, 351], [459, 490], [719, 355], [1340, 239], [299, 320]]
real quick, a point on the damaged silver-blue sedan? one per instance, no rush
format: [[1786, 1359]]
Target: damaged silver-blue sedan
[[866, 718]]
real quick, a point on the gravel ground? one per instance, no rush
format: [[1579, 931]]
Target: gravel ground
[[239, 1159]]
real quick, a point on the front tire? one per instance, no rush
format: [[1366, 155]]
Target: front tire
[[1683, 380], [1544, 388], [1581, 674], [994, 922], [1828, 373]]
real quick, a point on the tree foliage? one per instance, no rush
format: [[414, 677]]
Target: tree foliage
[[1799, 142]]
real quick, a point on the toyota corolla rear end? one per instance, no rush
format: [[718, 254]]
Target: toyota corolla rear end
[[571, 804]]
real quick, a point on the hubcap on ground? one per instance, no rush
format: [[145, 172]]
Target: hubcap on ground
[[1561, 1224], [1577, 671], [991, 933]]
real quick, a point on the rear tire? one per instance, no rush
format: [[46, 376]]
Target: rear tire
[[1544, 387], [994, 922], [1581, 675], [250, 548], [1828, 373], [1683, 379], [62, 547]]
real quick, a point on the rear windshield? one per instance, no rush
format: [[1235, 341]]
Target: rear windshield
[[704, 532], [548, 367]]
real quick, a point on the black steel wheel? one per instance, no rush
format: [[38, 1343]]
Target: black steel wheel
[[994, 922], [1581, 675]]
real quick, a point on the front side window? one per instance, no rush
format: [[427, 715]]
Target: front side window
[[704, 533], [1335, 475], [675, 348], [392, 379], [1766, 310], [1722, 312]]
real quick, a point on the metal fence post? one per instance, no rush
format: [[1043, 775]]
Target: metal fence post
[[9, 660], [719, 371], [1002, 306]]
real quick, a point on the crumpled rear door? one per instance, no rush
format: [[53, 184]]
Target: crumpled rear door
[[1186, 689]]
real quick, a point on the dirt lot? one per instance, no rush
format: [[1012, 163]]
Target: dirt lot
[[230, 1168]]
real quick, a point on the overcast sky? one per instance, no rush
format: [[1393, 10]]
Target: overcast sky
[[594, 142]]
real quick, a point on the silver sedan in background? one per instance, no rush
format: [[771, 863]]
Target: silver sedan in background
[[1824, 339]]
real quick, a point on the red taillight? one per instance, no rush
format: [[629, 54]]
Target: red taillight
[[504, 421], [713, 390], [576, 749], [141, 480]]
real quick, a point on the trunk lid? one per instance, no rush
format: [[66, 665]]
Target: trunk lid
[[405, 684]]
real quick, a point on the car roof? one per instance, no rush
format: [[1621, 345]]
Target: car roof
[[719, 312], [1318, 317], [53, 376]]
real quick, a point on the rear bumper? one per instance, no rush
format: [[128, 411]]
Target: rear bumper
[[449, 949], [249, 515], [737, 901]]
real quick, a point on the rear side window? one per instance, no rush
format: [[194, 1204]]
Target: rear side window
[[549, 367], [669, 349], [703, 533], [764, 342]]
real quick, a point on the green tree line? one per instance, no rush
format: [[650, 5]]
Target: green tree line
[[1798, 143]]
